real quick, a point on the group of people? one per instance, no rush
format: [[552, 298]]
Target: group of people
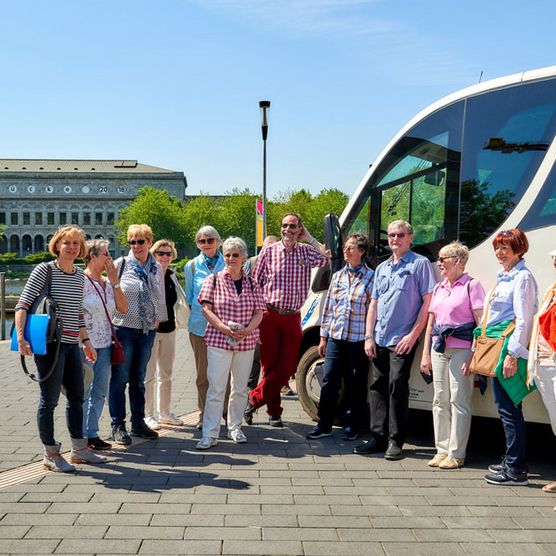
[[230, 313]]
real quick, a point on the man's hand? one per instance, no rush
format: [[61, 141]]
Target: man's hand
[[405, 345], [322, 346]]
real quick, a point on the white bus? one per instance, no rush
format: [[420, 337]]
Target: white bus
[[477, 161]]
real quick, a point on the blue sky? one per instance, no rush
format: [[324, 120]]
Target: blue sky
[[176, 83]]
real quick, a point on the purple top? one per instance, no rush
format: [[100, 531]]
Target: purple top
[[452, 305]]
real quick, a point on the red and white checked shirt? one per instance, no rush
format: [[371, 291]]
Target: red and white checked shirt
[[219, 289], [285, 276]]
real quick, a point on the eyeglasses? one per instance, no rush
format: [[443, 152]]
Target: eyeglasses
[[290, 226], [442, 259], [234, 255], [207, 240], [163, 253], [137, 241], [394, 235]]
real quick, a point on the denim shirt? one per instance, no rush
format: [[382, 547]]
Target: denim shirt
[[399, 290], [197, 323], [514, 297]]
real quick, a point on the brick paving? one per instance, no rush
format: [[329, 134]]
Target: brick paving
[[277, 494]]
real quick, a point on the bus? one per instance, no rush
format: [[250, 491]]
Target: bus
[[477, 161]]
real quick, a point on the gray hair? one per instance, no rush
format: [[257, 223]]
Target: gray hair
[[235, 243], [362, 241], [402, 224], [94, 247], [209, 231], [457, 250]]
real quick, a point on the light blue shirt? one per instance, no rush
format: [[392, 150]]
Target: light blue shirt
[[514, 297], [193, 284], [399, 290]]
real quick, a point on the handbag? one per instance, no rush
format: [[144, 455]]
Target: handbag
[[547, 324], [487, 350], [117, 353]]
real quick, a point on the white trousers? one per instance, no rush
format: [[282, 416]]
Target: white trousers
[[158, 379], [546, 383], [221, 364], [451, 406]]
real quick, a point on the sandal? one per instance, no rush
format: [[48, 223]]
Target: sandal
[[550, 487]]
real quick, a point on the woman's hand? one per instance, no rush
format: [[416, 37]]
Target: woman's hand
[[465, 370], [426, 365], [24, 347], [370, 348], [90, 352], [322, 346], [111, 271], [510, 366]]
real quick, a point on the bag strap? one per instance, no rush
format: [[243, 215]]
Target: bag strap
[[122, 268], [35, 377], [104, 305], [485, 317]]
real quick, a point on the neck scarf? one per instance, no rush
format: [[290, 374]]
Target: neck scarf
[[210, 261], [149, 291]]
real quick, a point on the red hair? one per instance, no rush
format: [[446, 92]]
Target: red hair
[[514, 238]]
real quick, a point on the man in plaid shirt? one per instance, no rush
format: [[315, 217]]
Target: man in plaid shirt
[[283, 271]]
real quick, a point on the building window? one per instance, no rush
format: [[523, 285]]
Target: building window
[[14, 220], [86, 219], [26, 218], [75, 218], [63, 218], [110, 219], [50, 218], [2, 217], [98, 218], [38, 218]]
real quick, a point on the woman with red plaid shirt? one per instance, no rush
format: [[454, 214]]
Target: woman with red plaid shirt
[[233, 306]]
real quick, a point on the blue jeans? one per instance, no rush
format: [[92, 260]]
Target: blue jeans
[[137, 349], [68, 372], [515, 460], [95, 395]]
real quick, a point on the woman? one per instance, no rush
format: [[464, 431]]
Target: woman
[[209, 261], [158, 382], [542, 356], [233, 306], [342, 341], [100, 298], [513, 298], [455, 310], [142, 281], [67, 245]]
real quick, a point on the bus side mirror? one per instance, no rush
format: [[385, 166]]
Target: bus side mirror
[[333, 243]]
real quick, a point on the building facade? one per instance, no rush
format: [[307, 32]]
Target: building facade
[[39, 196]]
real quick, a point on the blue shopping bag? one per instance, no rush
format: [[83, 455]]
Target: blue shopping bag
[[35, 333]]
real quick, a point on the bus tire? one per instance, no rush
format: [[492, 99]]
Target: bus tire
[[308, 380]]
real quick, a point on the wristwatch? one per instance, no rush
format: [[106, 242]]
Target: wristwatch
[[368, 336]]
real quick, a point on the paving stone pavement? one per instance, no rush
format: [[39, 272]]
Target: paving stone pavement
[[277, 494]]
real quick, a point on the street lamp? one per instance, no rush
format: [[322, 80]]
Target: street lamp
[[265, 109]]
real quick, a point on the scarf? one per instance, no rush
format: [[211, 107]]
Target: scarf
[[149, 290], [210, 261]]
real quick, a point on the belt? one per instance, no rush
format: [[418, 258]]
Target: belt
[[281, 311]]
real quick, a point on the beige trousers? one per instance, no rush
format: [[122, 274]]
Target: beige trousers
[[451, 406], [158, 380], [546, 383]]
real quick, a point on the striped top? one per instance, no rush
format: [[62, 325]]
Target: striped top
[[346, 305], [66, 290]]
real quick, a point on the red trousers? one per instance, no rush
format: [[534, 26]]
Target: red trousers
[[280, 342]]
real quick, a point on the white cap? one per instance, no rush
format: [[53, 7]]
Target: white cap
[[552, 253]]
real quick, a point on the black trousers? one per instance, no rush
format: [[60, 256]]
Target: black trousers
[[348, 361], [389, 396]]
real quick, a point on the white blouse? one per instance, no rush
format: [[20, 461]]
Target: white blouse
[[97, 324]]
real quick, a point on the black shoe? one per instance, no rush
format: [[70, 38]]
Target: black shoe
[[393, 452], [98, 444], [496, 468], [373, 446], [248, 413], [120, 436], [349, 434], [505, 478], [317, 432], [275, 421], [143, 431]]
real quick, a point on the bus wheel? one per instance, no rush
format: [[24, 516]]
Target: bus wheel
[[308, 380]]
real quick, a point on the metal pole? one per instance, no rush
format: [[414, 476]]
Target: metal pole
[[3, 305], [264, 188]]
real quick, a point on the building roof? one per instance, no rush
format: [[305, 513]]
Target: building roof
[[9, 165]]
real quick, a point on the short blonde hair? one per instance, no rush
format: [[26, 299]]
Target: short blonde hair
[[68, 231], [165, 242], [143, 230], [455, 249]]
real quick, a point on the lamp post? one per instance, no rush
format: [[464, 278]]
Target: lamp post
[[265, 109]]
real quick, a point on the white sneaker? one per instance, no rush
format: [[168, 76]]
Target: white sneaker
[[170, 419], [206, 442], [237, 436], [151, 422]]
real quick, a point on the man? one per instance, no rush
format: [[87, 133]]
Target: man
[[397, 315], [283, 271]]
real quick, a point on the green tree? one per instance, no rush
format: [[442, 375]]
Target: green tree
[[326, 202], [236, 216]]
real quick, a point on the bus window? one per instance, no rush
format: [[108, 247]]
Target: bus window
[[361, 221], [543, 210], [506, 135]]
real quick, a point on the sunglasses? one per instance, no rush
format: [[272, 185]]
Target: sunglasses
[[394, 235], [234, 255], [291, 226], [208, 241], [138, 242], [442, 259], [163, 253]]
